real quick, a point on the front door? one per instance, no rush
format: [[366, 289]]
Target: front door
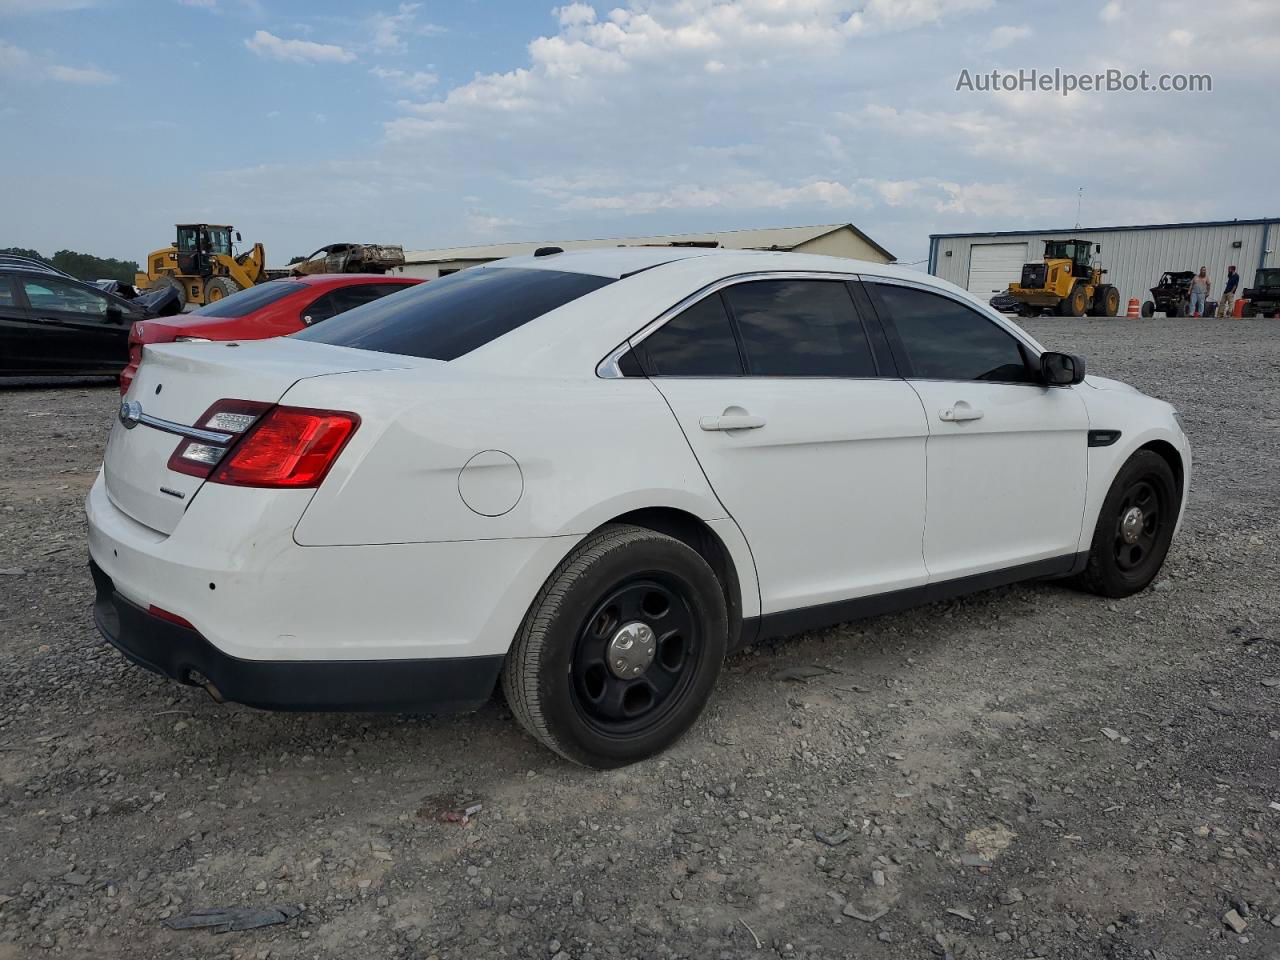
[[815, 452], [76, 332], [1007, 455]]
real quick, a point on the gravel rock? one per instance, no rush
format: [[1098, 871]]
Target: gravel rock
[[878, 746]]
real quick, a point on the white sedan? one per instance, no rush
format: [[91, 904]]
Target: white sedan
[[589, 476]]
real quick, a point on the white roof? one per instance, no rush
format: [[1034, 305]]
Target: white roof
[[577, 336], [768, 238]]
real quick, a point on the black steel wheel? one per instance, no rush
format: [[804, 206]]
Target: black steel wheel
[[1137, 525], [636, 654], [1134, 529], [620, 650]]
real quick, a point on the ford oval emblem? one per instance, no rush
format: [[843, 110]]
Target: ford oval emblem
[[130, 414]]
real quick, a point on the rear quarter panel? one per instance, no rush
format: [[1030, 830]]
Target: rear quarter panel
[[587, 450]]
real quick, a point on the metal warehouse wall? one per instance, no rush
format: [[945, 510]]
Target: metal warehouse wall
[[1135, 257]]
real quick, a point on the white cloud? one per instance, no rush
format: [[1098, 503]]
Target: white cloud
[[85, 76], [413, 81], [8, 7], [575, 14], [1002, 37], [751, 195], [1111, 12], [1181, 38], [13, 58], [488, 226], [268, 45], [199, 3], [20, 63], [390, 29]]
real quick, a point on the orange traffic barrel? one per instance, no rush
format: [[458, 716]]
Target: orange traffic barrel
[[1133, 311], [1238, 309]]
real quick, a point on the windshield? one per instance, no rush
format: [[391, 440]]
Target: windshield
[[446, 318], [1268, 278], [247, 301]]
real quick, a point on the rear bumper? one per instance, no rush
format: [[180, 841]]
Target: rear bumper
[[441, 685]]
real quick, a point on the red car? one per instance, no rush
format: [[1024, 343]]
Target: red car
[[267, 310]]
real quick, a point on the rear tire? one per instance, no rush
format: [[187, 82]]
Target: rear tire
[[560, 677], [1108, 300], [1134, 529], [218, 288], [1176, 309]]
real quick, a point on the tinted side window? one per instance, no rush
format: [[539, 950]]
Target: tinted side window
[[348, 298], [244, 302], [55, 295], [6, 293], [946, 340], [449, 317], [697, 342], [800, 328]]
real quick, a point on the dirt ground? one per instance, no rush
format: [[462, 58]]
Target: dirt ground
[[1029, 772]]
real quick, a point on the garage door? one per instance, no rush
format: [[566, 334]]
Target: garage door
[[993, 266]]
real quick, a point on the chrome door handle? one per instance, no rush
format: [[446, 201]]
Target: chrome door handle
[[731, 422], [959, 413]]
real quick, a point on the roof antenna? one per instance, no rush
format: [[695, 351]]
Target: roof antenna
[[1079, 204]]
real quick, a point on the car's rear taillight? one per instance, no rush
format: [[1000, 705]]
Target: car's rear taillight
[[263, 445], [288, 447], [231, 418]]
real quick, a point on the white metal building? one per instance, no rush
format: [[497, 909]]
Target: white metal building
[[1134, 257], [832, 239]]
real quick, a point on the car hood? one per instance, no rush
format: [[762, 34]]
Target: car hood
[[1106, 383]]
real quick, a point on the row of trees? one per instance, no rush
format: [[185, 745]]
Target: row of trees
[[83, 265]]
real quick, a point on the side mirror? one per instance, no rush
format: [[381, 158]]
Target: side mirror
[[237, 236], [114, 313], [1061, 369]]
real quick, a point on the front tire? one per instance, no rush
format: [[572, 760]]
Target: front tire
[[1134, 529], [1148, 309], [218, 288], [619, 652]]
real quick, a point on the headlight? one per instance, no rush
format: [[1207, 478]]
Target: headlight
[[1178, 417], [191, 340]]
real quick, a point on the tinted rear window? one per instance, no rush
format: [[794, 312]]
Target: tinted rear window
[[247, 301], [447, 318]]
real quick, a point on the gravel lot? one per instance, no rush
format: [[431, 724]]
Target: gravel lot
[[1029, 772]]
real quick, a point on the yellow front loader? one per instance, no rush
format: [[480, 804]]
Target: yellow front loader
[[1066, 282], [203, 266]]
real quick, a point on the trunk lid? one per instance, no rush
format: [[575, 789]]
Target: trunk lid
[[178, 383]]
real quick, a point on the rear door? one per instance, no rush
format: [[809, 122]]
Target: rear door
[[76, 332], [815, 449], [1007, 455], [21, 339]]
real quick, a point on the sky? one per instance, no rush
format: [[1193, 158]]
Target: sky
[[438, 124]]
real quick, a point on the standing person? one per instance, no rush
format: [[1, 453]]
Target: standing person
[[1229, 292], [1199, 291]]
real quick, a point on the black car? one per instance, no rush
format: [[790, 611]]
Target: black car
[[1005, 302], [52, 324]]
